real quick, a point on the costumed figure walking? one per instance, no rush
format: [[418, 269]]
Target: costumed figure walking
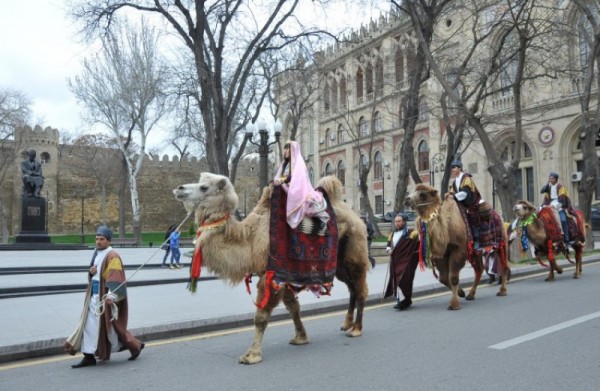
[[403, 249], [102, 328]]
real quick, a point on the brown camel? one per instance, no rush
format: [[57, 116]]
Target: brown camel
[[447, 235], [537, 233], [234, 249]]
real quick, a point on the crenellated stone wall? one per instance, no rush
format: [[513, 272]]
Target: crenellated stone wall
[[73, 196]]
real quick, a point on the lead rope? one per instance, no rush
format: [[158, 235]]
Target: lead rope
[[114, 309]]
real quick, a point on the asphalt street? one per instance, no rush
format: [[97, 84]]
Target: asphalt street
[[38, 325]]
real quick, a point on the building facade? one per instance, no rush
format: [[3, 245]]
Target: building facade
[[357, 112]]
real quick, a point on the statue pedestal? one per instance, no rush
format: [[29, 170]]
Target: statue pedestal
[[33, 221]]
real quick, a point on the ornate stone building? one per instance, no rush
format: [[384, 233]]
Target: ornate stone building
[[357, 95]]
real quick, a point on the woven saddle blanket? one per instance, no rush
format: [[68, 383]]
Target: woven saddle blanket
[[295, 256]]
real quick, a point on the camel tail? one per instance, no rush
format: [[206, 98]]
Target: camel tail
[[333, 187]]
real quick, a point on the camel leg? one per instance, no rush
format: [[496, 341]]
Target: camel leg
[[292, 305], [451, 279], [261, 319], [358, 290], [503, 290], [553, 267], [478, 269], [578, 260]]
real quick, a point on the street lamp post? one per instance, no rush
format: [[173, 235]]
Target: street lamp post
[[263, 145], [82, 216], [386, 168], [437, 164]]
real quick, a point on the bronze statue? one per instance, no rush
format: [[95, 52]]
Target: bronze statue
[[33, 181]]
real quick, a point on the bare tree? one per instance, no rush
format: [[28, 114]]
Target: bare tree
[[15, 110], [123, 89], [426, 16], [587, 77], [479, 61], [226, 39]]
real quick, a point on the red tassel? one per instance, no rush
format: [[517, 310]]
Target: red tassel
[[248, 281], [503, 258], [550, 251], [268, 283], [195, 267]]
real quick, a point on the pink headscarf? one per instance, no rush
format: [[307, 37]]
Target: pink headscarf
[[302, 199]]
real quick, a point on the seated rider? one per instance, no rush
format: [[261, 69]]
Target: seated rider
[[302, 199], [466, 194], [557, 196]]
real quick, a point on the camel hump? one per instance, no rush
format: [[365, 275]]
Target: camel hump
[[333, 187]]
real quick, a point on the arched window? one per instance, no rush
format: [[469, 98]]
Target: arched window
[[326, 101], [341, 172], [328, 169], [44, 158], [410, 59], [378, 166], [423, 159], [340, 134], [362, 165], [379, 76], [369, 77], [524, 174], [399, 67], [334, 95], [363, 129], [377, 122], [359, 85], [343, 92]]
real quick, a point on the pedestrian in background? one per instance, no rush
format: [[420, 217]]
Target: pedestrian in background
[[166, 245], [175, 251], [403, 249]]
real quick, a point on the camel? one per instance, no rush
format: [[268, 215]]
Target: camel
[[235, 249], [447, 233], [536, 231]]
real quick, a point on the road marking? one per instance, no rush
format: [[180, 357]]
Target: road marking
[[542, 332]]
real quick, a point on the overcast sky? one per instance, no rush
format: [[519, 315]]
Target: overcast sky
[[39, 51]]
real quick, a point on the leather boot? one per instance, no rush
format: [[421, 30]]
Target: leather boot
[[87, 361]]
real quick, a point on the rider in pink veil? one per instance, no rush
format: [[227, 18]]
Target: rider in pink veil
[[302, 199]]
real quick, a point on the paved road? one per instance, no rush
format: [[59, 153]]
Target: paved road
[[37, 325]]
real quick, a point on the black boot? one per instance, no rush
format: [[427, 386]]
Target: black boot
[[404, 304], [87, 361]]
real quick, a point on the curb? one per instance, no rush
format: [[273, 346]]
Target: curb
[[54, 346]]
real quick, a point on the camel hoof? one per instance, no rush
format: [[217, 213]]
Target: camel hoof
[[576, 276], [453, 307], [346, 326], [461, 293], [250, 358], [549, 279], [470, 297], [299, 341], [354, 333], [501, 293]]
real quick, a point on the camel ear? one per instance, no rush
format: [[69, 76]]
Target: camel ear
[[221, 184]]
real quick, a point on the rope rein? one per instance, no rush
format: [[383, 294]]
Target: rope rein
[[100, 309]]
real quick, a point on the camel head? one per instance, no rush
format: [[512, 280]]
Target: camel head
[[212, 194], [424, 198], [523, 209]]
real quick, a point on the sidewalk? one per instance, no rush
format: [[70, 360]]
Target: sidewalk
[[38, 325]]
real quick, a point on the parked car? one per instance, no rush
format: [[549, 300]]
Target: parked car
[[389, 216], [595, 217]]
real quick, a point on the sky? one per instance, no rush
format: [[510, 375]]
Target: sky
[[38, 53]]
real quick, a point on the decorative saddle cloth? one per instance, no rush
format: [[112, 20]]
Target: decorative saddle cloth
[[299, 258]]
